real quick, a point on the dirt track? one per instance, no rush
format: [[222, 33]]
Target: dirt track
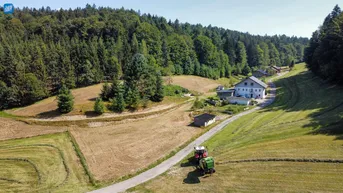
[[10, 129]]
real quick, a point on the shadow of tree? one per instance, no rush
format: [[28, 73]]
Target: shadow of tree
[[93, 99], [90, 114], [307, 92], [49, 114]]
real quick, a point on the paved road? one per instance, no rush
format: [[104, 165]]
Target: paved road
[[164, 166]]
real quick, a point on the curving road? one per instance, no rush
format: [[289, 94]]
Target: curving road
[[164, 166]]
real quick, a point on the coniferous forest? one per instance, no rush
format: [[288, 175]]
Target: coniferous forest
[[43, 49], [324, 55]]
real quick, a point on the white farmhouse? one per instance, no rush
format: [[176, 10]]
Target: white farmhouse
[[251, 87]]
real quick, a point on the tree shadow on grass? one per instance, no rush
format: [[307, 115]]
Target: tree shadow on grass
[[49, 114], [307, 92], [90, 114], [333, 128], [93, 99]]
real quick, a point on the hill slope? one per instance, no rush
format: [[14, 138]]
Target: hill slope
[[304, 122], [200, 84]]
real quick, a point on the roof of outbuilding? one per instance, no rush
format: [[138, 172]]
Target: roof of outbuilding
[[258, 81], [205, 117], [226, 91], [262, 71], [276, 67], [239, 98]]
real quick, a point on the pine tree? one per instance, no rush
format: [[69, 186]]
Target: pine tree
[[4, 92], [65, 100], [115, 89], [159, 93], [99, 107], [143, 48], [105, 92], [241, 55], [118, 104], [134, 45], [132, 98]]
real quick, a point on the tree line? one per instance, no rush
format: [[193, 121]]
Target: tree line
[[324, 55], [43, 49]]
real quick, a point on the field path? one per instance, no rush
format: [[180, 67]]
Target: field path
[[164, 166]]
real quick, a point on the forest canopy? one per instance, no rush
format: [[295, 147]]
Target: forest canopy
[[43, 49], [324, 55]]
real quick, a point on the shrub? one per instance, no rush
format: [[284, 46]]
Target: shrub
[[99, 107], [235, 108], [198, 104], [174, 90]]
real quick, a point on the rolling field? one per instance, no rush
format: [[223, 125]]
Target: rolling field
[[117, 150], [83, 100], [11, 129], [202, 85], [41, 164], [195, 83], [305, 122]]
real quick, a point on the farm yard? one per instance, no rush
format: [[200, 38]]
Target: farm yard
[[304, 122]]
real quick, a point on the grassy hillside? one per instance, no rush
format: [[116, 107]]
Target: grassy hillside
[[304, 122], [200, 84], [41, 164], [83, 101]]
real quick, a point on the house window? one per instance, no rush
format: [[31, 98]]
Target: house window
[[259, 90], [239, 89], [245, 83], [255, 90], [252, 84]]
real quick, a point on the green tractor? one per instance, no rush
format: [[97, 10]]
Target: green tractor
[[206, 165]]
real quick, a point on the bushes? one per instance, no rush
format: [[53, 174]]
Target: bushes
[[235, 108], [198, 104], [174, 90]]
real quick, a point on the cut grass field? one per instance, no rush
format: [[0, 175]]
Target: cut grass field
[[46, 163], [305, 122], [200, 84], [83, 100], [121, 149]]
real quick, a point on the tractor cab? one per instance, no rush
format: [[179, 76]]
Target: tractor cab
[[200, 152]]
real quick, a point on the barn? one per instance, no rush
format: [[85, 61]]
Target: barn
[[204, 120]]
